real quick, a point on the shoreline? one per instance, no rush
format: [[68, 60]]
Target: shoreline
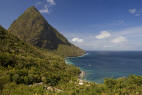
[[79, 56], [82, 73], [81, 76]]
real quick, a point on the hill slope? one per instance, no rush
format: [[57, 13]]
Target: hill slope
[[23, 63], [33, 28]]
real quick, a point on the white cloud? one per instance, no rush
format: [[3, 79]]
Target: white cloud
[[108, 46], [46, 5], [136, 12], [78, 40], [38, 3], [44, 10], [138, 15], [132, 11], [119, 39], [52, 2], [103, 34], [132, 36]]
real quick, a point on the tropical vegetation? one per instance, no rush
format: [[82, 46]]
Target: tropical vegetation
[[32, 62]]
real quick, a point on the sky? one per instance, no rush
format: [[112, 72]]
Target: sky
[[112, 25]]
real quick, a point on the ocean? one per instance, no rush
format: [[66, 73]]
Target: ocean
[[99, 65]]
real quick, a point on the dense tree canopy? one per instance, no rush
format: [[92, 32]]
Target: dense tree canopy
[[25, 64]]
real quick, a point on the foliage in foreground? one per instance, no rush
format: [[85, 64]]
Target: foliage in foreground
[[121, 86], [131, 85], [23, 63]]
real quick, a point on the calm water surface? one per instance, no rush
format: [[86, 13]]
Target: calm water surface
[[103, 64]]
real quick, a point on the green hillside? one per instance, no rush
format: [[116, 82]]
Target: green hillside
[[22, 63], [33, 28]]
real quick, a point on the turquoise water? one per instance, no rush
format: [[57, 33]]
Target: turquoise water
[[99, 65]]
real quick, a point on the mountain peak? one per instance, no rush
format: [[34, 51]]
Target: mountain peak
[[32, 27], [32, 11], [32, 8]]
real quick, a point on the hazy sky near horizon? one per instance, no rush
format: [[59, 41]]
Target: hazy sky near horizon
[[89, 24]]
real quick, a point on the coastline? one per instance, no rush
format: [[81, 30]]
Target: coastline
[[67, 62], [79, 56], [82, 73]]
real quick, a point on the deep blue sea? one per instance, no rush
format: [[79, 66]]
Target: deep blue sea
[[108, 64]]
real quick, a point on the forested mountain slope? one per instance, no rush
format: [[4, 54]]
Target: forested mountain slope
[[32, 27], [23, 63]]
